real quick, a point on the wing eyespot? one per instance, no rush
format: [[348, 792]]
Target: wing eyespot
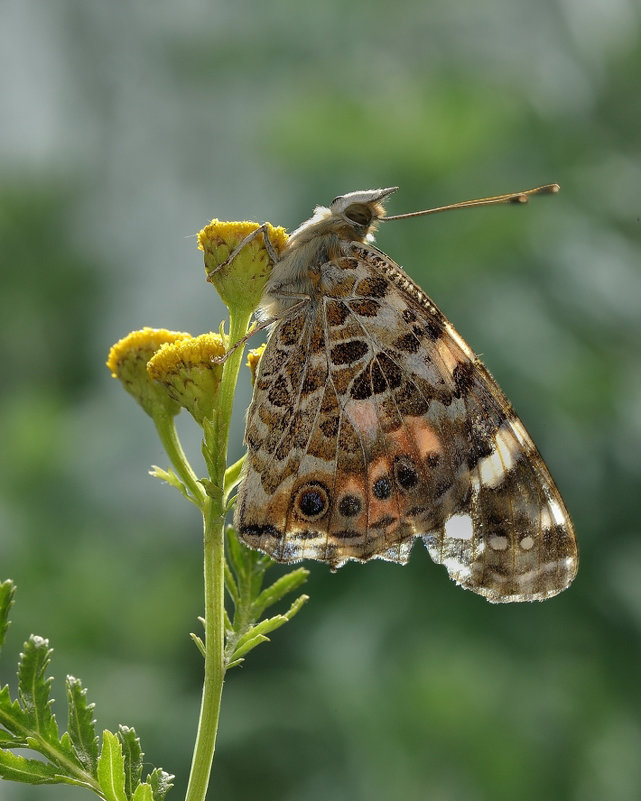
[[312, 501]]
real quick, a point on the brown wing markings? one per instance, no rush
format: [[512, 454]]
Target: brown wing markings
[[334, 494], [287, 525], [453, 467], [382, 436], [528, 499], [307, 330], [418, 460], [538, 493]]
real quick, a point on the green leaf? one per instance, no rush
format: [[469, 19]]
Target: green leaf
[[81, 725], [160, 782], [172, 479], [143, 793], [73, 758], [213, 490], [281, 587], [233, 475], [7, 592], [29, 771], [34, 688], [248, 644], [111, 768], [133, 758], [265, 626], [7, 741], [210, 448], [231, 586], [12, 717], [237, 556], [244, 573], [199, 643], [256, 634]]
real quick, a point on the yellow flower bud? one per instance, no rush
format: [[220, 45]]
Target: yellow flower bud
[[190, 373], [240, 283], [253, 357], [128, 362]]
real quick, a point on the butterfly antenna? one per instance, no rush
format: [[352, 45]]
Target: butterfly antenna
[[495, 200]]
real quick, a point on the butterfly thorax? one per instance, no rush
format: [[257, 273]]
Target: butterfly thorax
[[316, 242]]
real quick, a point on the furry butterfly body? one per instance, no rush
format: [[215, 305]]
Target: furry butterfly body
[[373, 423]]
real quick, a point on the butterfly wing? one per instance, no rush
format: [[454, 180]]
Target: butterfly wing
[[373, 423]]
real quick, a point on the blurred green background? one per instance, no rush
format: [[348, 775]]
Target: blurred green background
[[128, 126]]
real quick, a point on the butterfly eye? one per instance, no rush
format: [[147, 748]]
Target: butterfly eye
[[359, 213], [312, 501]]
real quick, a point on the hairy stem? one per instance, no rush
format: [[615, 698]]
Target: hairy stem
[[214, 573]]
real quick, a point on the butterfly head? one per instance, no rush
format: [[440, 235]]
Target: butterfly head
[[360, 211], [352, 217]]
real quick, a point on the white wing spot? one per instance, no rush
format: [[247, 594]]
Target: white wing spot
[[527, 543], [457, 569], [459, 527], [498, 543], [521, 434], [557, 513], [492, 468]]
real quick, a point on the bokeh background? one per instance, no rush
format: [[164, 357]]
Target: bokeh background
[[128, 126]]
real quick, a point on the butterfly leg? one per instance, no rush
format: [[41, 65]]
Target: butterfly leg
[[302, 300], [271, 250]]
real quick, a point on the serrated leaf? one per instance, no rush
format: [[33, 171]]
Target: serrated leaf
[[160, 782], [172, 479], [67, 750], [111, 768], [12, 716], [143, 793], [133, 758], [282, 586], [7, 592], [29, 771], [81, 725], [34, 688], [7, 741]]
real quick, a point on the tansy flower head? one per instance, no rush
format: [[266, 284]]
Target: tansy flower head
[[253, 357], [190, 374], [240, 283], [128, 362]]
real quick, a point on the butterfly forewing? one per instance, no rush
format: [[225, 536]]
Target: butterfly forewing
[[373, 424]]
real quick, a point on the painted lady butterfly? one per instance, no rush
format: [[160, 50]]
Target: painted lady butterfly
[[374, 423]]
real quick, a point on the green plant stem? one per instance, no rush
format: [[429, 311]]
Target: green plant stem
[[166, 427], [214, 572]]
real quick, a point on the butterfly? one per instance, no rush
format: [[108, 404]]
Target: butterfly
[[373, 424]]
